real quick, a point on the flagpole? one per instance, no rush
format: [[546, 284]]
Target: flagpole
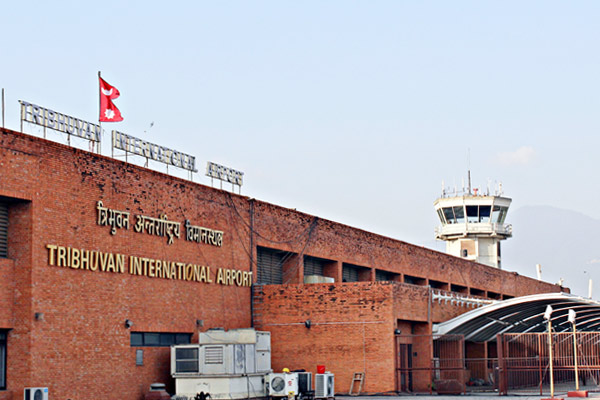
[[99, 101]]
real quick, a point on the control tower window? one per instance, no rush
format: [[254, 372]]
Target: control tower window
[[472, 214], [459, 212], [499, 214], [449, 214], [484, 213], [503, 211], [441, 215]]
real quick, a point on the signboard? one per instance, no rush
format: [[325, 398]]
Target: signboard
[[224, 173], [109, 262], [133, 145], [59, 122]]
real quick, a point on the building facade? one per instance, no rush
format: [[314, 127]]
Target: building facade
[[104, 265]]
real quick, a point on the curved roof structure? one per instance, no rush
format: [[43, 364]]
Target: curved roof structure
[[523, 314]]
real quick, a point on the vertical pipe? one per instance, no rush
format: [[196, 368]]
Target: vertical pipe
[[396, 363], [251, 267], [431, 366]]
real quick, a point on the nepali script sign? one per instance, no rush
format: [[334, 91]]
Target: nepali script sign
[[153, 151], [59, 122]]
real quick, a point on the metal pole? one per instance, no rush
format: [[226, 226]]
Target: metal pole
[[541, 375], [550, 353], [100, 122], [575, 355]]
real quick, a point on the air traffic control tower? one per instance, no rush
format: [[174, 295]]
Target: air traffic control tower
[[473, 224]]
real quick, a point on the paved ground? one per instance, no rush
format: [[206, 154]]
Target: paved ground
[[531, 394], [468, 396]]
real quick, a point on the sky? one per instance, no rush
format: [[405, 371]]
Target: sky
[[355, 111]]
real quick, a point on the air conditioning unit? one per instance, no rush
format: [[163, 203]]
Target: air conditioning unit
[[38, 393], [324, 386], [304, 382], [282, 384]]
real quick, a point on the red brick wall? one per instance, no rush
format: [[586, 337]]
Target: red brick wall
[[79, 346], [7, 290], [286, 229], [352, 330]]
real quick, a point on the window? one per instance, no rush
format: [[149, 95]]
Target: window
[[269, 263], [503, 211], [415, 280], [499, 214], [349, 273], [384, 275], [484, 213], [3, 359], [441, 215], [479, 213], [459, 212], [449, 214], [438, 285], [313, 266], [472, 214], [459, 289], [158, 339]]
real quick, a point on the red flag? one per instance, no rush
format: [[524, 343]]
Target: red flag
[[108, 111]]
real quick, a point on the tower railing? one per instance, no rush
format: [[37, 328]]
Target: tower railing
[[473, 228]]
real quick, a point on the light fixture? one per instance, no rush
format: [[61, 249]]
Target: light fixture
[[307, 323], [128, 323], [39, 316], [397, 331], [199, 323]]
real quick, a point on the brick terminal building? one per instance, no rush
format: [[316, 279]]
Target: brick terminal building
[[105, 264]]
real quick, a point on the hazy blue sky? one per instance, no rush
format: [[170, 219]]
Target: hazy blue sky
[[353, 111]]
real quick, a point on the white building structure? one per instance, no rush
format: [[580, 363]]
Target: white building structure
[[473, 224]]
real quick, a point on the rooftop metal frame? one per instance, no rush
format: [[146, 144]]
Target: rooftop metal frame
[[521, 315]]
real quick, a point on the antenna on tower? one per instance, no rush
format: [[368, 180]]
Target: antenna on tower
[[469, 168]]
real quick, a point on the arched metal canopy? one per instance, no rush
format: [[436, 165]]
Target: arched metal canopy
[[523, 314]]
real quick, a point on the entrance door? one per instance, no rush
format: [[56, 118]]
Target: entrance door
[[405, 368]]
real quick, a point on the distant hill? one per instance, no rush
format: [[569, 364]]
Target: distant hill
[[566, 243]]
